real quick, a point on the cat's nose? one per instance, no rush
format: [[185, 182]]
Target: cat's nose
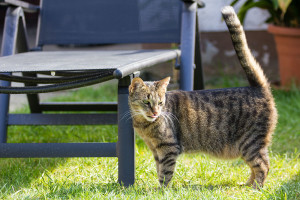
[[155, 113]]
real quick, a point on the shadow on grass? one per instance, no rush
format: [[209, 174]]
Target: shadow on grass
[[289, 190], [18, 173], [74, 190], [211, 186]]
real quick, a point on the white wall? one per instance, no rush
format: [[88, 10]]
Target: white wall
[[211, 20]]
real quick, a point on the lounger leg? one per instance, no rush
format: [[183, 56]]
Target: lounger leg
[[13, 42], [33, 99], [4, 105], [198, 74], [187, 46], [126, 138]]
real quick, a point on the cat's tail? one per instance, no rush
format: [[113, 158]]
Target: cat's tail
[[251, 67]]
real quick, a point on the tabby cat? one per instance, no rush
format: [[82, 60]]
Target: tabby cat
[[225, 123]]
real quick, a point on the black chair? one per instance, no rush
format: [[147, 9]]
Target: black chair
[[75, 22]]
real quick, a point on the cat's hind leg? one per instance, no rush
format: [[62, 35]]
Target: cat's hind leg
[[251, 178], [258, 161]]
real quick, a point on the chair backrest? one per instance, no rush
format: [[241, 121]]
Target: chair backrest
[[109, 21]]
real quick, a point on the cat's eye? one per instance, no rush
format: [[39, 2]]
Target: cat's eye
[[160, 103], [146, 102]]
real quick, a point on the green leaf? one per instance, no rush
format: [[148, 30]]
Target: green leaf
[[263, 4], [283, 5], [248, 2], [234, 2], [275, 4]]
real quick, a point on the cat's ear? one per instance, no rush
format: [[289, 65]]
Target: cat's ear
[[136, 83], [163, 84]]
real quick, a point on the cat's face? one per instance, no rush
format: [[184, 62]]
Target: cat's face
[[146, 99]]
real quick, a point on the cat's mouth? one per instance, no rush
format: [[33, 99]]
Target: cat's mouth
[[153, 116]]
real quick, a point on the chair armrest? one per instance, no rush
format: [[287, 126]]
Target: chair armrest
[[200, 3], [27, 7]]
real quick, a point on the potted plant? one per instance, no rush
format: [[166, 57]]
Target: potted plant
[[284, 24]]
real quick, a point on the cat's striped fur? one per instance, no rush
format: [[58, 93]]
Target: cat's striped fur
[[226, 123]]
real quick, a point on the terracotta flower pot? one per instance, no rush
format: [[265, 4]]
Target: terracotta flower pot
[[288, 49]]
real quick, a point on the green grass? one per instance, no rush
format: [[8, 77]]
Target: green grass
[[197, 176]]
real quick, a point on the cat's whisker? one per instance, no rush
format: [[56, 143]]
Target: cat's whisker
[[125, 115], [169, 118], [130, 114], [135, 113], [172, 116], [165, 117], [131, 117]]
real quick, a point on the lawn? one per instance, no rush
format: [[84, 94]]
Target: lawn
[[196, 177]]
